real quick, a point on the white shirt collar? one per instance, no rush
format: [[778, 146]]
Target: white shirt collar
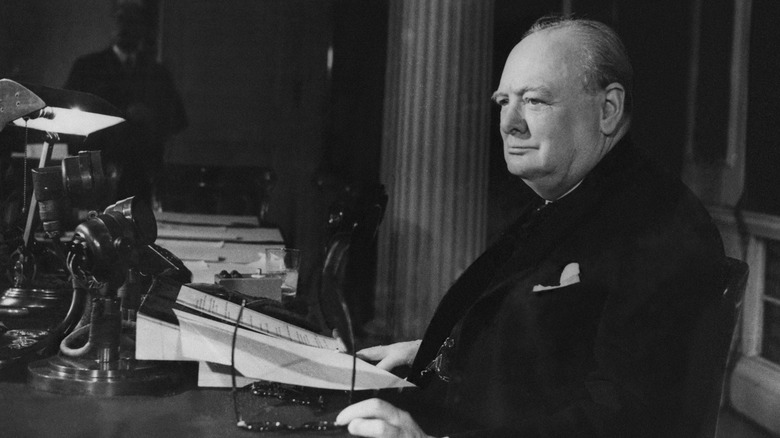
[[123, 57], [546, 201]]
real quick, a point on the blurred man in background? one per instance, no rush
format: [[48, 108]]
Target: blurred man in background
[[128, 75]]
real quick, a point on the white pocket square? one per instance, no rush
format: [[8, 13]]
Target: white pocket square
[[569, 276]]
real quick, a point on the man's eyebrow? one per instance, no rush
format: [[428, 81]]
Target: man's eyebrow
[[498, 93]]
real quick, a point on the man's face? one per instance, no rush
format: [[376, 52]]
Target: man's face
[[549, 123], [130, 39], [132, 28]]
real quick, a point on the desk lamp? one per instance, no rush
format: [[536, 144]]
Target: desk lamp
[[108, 251], [54, 112]]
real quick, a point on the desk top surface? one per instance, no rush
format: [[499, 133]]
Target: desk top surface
[[205, 244], [193, 413]]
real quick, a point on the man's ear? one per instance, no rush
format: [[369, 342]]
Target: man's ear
[[612, 108]]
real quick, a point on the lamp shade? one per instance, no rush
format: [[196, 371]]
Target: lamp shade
[[54, 110]]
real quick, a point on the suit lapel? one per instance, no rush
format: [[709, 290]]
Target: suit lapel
[[462, 295], [560, 227], [538, 242]]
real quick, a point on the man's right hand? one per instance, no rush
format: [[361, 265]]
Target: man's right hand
[[391, 356]]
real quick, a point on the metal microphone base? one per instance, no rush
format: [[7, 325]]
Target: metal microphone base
[[125, 376]]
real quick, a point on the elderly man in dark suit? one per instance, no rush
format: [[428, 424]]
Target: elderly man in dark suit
[[577, 322]]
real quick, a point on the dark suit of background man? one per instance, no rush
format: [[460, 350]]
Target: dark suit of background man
[[577, 322], [127, 75]]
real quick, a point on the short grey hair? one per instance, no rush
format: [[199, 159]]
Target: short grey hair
[[604, 56]]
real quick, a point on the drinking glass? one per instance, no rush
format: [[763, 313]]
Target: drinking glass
[[284, 262]]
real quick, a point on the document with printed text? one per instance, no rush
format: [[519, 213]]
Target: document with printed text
[[263, 357], [251, 319]]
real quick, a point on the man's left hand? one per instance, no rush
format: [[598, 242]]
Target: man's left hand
[[378, 418]]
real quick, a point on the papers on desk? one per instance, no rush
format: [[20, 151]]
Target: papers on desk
[[215, 375], [189, 324], [267, 325], [212, 227], [203, 272], [218, 233], [264, 357], [209, 244], [207, 251], [215, 251], [215, 220]]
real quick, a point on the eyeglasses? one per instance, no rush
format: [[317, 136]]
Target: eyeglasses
[[287, 393]]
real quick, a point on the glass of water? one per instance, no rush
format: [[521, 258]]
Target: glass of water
[[284, 262]]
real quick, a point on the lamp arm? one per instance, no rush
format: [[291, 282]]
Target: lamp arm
[[32, 213]]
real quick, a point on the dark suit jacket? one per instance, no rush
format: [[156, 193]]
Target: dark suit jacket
[[603, 357]]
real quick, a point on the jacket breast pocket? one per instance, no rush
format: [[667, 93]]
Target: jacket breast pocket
[[567, 313]]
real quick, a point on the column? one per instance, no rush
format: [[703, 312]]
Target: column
[[434, 156]]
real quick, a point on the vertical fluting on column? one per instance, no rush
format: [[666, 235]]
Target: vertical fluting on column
[[434, 155]]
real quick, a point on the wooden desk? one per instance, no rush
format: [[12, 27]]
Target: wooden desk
[[194, 413]]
